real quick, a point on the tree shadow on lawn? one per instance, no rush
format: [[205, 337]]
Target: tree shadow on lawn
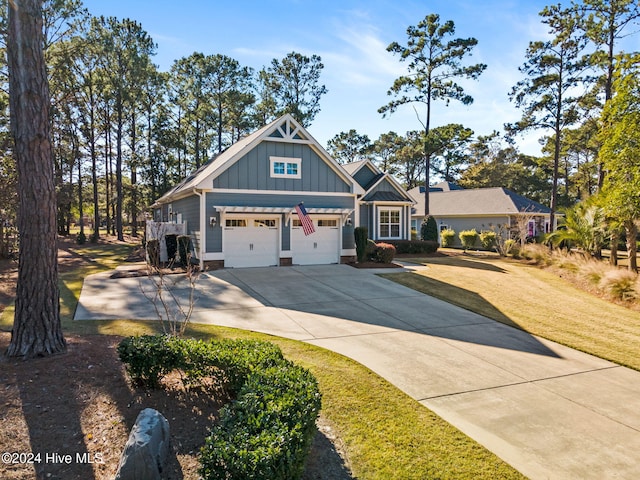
[[519, 339], [461, 261]]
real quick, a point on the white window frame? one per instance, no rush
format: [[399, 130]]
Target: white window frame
[[390, 209], [288, 162]]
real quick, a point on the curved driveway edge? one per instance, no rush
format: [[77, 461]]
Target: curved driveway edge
[[548, 410]]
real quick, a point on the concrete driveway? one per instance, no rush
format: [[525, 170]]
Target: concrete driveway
[[550, 411]]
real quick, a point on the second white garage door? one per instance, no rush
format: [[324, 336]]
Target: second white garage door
[[321, 247]]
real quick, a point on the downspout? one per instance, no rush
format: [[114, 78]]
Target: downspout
[[203, 228]]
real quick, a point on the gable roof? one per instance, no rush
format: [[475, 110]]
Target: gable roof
[[353, 167], [398, 194], [476, 201], [283, 129]]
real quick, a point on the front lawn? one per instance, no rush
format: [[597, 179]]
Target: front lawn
[[532, 299], [385, 433]]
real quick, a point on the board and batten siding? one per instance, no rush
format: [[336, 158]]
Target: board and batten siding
[[252, 171], [383, 186]]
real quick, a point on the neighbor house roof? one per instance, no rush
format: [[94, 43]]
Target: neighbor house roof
[[476, 202]]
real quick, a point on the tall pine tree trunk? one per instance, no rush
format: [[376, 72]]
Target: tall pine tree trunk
[[36, 327], [119, 189]]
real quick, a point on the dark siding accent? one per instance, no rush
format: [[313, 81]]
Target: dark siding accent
[[348, 239], [286, 234], [190, 209], [364, 218], [214, 234], [252, 171], [364, 176]]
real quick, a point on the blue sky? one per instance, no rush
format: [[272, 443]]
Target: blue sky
[[351, 36]]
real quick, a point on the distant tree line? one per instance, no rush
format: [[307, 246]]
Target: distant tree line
[[578, 88], [124, 132]]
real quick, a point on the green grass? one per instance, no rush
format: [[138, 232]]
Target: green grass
[[387, 434], [534, 300]]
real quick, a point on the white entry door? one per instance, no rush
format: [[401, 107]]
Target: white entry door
[[321, 247], [250, 242]]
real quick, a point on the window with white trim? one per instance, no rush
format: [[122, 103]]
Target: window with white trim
[[389, 223], [285, 167]]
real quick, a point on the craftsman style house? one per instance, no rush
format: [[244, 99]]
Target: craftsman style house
[[385, 207], [240, 207]]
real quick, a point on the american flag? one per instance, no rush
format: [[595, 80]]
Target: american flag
[[305, 220]]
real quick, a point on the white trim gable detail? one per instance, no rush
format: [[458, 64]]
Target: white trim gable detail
[[289, 131]]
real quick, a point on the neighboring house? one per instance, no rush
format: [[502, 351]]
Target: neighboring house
[[239, 208], [481, 209], [385, 207]]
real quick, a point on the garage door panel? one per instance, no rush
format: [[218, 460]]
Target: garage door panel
[[251, 242], [320, 247]]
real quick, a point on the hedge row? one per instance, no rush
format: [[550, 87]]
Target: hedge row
[[267, 431], [414, 246]]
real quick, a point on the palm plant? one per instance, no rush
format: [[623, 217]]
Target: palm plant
[[584, 227]]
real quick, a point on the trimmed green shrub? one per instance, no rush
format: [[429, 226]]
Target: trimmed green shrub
[[153, 252], [447, 238], [148, 358], [429, 230], [361, 235], [414, 246], [468, 238], [384, 253], [171, 241], [184, 249], [488, 239], [266, 433]]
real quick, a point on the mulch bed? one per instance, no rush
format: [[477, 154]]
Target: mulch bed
[[373, 265]]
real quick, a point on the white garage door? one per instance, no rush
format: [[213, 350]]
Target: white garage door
[[250, 242], [321, 247]]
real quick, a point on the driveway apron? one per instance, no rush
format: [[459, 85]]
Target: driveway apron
[[548, 410]]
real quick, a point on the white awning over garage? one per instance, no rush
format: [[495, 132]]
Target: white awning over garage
[[344, 213]]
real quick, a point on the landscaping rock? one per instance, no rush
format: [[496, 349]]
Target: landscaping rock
[[147, 448]]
